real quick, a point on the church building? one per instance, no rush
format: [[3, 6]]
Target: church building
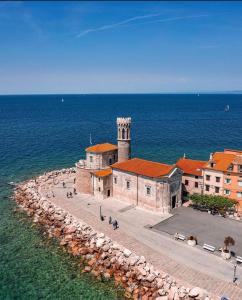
[[109, 171]]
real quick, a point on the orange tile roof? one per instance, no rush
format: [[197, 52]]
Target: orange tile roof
[[103, 173], [222, 161], [101, 148], [190, 166], [144, 167], [233, 151]]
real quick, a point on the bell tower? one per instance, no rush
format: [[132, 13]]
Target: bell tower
[[124, 149]]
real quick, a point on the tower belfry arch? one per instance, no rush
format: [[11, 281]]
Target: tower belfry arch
[[124, 139]]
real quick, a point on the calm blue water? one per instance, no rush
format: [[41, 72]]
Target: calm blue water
[[39, 133]]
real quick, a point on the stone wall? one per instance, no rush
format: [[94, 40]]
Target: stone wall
[[98, 253]]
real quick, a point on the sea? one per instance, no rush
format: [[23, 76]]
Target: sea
[[39, 133]]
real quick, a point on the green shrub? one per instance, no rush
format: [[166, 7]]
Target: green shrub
[[219, 203]]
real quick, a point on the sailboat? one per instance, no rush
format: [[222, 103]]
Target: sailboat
[[62, 100], [226, 108]]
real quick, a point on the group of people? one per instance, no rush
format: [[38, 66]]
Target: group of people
[[69, 195], [114, 223]]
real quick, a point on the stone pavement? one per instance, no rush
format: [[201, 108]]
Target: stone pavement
[[209, 229], [190, 266]]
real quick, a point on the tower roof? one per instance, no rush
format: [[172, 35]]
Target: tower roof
[[99, 148], [144, 167]]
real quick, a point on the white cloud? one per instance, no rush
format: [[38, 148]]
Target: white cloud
[[110, 26]]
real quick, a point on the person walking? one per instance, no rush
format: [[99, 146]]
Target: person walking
[[64, 185], [115, 225], [74, 180], [110, 220]]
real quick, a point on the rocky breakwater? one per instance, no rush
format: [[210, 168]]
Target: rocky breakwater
[[98, 254]]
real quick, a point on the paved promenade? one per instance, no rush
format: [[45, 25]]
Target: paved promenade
[[190, 266]]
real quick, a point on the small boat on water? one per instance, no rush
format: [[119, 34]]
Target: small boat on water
[[62, 100], [226, 108]]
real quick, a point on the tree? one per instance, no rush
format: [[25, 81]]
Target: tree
[[228, 241], [212, 202]]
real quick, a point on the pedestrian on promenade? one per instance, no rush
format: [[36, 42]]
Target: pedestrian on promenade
[[115, 225], [74, 191], [74, 180], [110, 220], [53, 195], [70, 194], [67, 195], [64, 185]]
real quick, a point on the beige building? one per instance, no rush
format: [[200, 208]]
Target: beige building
[[192, 178], [89, 179], [147, 184], [108, 171]]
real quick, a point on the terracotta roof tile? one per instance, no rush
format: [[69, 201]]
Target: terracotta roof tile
[[101, 148], [222, 161], [190, 166], [144, 167], [103, 173]]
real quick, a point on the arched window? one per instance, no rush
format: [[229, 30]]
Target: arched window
[[123, 134]]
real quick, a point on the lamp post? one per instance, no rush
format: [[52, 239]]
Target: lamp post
[[234, 276], [100, 212]]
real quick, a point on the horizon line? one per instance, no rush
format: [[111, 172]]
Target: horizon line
[[124, 93]]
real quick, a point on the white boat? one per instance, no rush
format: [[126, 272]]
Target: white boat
[[226, 108], [62, 100]]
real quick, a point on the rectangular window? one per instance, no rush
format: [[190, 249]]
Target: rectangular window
[[240, 168], [240, 182], [115, 180], [99, 179], [227, 180], [231, 167], [196, 177], [226, 192], [216, 189], [207, 177], [99, 189], [91, 159], [148, 190], [217, 179], [239, 194], [128, 184], [196, 184], [212, 164], [207, 187], [186, 182]]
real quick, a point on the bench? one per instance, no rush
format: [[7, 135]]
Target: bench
[[179, 236], [239, 259], [208, 247]]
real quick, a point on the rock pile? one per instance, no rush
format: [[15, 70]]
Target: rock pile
[[98, 253]]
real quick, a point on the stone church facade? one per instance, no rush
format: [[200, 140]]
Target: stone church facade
[[109, 171]]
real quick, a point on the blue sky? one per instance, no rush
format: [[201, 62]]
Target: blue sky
[[120, 47]]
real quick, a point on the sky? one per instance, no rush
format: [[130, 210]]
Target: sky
[[120, 47]]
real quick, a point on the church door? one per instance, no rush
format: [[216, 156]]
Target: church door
[[173, 202], [108, 193]]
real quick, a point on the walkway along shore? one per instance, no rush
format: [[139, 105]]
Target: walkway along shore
[[99, 254]]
